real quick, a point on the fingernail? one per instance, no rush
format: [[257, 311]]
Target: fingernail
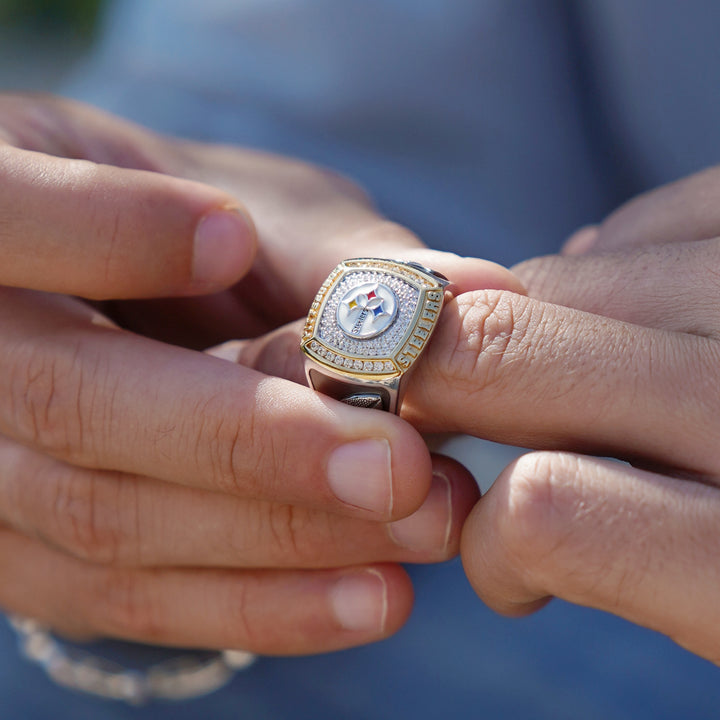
[[224, 246], [359, 602], [360, 474], [428, 528]]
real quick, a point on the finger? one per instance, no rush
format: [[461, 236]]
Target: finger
[[193, 322], [274, 353], [516, 370], [270, 612], [292, 202], [103, 398], [683, 211], [663, 286], [596, 533], [124, 520], [71, 226]]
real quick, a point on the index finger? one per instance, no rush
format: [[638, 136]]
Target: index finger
[[104, 398], [517, 370]]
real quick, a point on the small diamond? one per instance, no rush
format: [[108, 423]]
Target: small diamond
[[339, 360], [367, 366], [389, 367], [321, 351], [377, 366], [313, 345], [330, 356], [358, 365]]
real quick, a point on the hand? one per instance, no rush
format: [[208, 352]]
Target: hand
[[641, 383], [155, 493], [615, 354]]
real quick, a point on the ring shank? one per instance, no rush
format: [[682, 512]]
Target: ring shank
[[378, 395]]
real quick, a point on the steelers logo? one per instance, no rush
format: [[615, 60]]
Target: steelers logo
[[367, 310]]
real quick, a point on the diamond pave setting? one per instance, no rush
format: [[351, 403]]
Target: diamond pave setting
[[372, 317]]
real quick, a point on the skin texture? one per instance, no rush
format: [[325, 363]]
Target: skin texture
[[153, 492]]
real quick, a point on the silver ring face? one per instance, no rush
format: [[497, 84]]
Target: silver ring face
[[364, 316], [367, 310]]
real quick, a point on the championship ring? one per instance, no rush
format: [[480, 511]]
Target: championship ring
[[368, 325]]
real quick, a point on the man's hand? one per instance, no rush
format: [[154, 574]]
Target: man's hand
[[151, 492], [615, 352]]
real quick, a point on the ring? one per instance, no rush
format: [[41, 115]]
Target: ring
[[368, 325]]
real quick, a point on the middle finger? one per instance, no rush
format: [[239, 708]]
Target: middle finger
[[670, 286], [125, 520]]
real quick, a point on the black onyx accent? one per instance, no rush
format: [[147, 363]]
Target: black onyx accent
[[365, 400]]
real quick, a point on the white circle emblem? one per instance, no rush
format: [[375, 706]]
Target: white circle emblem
[[367, 310]]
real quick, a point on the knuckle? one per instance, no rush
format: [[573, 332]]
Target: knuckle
[[258, 466], [91, 521], [122, 605], [293, 531], [45, 400], [106, 222], [551, 526], [244, 627], [56, 399], [493, 331], [543, 276], [234, 448], [541, 507], [257, 449], [109, 234], [205, 432]]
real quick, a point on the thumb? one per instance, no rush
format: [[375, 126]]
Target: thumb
[[72, 226]]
